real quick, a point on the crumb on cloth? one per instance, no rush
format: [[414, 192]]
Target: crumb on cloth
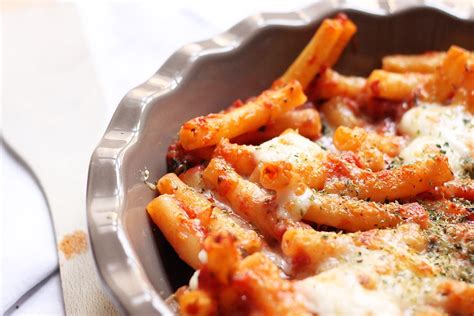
[[73, 244]]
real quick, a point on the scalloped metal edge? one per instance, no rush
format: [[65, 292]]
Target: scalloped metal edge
[[120, 271]]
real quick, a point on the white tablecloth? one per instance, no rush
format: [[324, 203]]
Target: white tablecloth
[[128, 42]]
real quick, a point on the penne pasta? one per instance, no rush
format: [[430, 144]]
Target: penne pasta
[[353, 215], [246, 198], [322, 51], [209, 130], [193, 178], [465, 92], [183, 233], [395, 86], [348, 31], [369, 146], [332, 84], [247, 239], [240, 157], [196, 204], [387, 185], [422, 63], [316, 54], [306, 121], [211, 218], [448, 76], [340, 111]]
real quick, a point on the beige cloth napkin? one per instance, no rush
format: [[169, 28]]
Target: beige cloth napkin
[[53, 116]]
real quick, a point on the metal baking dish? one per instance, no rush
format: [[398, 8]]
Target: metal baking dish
[[136, 264]]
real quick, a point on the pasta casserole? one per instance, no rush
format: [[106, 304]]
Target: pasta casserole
[[330, 194]]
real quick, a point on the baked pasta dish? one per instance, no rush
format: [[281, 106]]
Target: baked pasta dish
[[330, 194]]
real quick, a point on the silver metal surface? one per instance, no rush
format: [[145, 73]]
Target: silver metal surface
[[135, 262]]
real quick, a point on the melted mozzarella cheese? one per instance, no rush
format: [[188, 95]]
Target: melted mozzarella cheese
[[194, 281], [290, 147], [292, 205], [434, 128], [352, 286], [300, 152], [202, 255], [365, 281], [339, 292]]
